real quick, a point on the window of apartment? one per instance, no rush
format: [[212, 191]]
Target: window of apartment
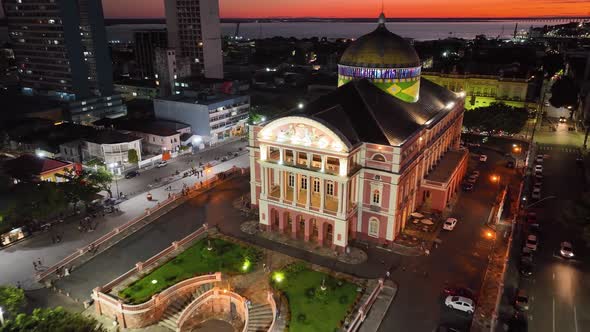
[[291, 180], [304, 183], [374, 227], [376, 197], [330, 188], [316, 185]]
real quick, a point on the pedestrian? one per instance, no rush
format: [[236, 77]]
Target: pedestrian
[[39, 262], [169, 195], [18, 285], [58, 238], [387, 274], [35, 266]]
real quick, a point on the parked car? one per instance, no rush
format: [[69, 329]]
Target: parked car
[[459, 291], [566, 250], [580, 158], [460, 303], [521, 302], [526, 256], [531, 217], [510, 164], [532, 242], [536, 193], [162, 164], [538, 184], [475, 173], [538, 176], [526, 269], [450, 224], [467, 186], [483, 158], [540, 158], [538, 168], [131, 174], [534, 228], [472, 179]]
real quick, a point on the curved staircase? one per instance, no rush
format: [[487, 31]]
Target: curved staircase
[[259, 317], [174, 309]]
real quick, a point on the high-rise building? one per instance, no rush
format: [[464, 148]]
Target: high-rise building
[[169, 68], [60, 47], [146, 42], [194, 32]]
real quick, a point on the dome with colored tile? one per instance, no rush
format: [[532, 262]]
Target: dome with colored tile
[[384, 58]]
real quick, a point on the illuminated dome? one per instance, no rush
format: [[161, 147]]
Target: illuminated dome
[[385, 59]]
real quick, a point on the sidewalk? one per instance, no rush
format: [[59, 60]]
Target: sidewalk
[[21, 256], [379, 308]]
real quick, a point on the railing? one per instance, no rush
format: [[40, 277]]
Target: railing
[[364, 309], [116, 231], [273, 306]]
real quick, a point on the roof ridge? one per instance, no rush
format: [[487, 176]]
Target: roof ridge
[[370, 109]]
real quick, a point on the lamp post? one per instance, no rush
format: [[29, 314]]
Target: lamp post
[[112, 167], [1, 317], [496, 179]]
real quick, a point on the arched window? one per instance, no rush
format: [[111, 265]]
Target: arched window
[[378, 157], [376, 197], [374, 227]]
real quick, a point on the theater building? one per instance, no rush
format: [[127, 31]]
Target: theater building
[[355, 163]]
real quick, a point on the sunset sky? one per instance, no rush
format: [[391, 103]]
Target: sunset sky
[[367, 8]]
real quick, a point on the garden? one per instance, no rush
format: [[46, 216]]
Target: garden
[[206, 256], [317, 301]]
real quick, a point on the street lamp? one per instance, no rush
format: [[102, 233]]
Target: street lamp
[[300, 105], [112, 167], [1, 317]]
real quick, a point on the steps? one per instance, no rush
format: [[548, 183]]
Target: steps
[[174, 310], [259, 317]]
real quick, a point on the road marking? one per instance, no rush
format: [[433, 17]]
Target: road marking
[[554, 314], [575, 319]]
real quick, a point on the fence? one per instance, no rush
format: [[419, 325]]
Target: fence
[[364, 309], [142, 220]]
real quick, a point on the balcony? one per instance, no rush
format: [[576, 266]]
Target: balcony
[[330, 202]]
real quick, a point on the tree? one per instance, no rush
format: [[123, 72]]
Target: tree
[[12, 299], [36, 201], [496, 117], [55, 320], [564, 92], [132, 156], [552, 63], [101, 180]]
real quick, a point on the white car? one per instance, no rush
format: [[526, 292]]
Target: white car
[[538, 168], [162, 164], [566, 250], [536, 193], [449, 224], [532, 242], [540, 159], [460, 303], [483, 158]]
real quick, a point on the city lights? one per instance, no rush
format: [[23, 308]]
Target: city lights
[[278, 276]]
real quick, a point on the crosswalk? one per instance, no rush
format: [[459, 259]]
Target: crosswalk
[[559, 148]]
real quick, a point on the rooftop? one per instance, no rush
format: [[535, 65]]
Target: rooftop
[[361, 112], [201, 101], [29, 165], [111, 137], [139, 83], [447, 165], [155, 127]]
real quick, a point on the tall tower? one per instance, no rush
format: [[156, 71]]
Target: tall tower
[[194, 32], [60, 47]]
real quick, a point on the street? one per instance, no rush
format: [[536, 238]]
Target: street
[[559, 289]]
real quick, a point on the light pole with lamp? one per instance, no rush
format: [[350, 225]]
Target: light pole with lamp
[[112, 166], [1, 317]]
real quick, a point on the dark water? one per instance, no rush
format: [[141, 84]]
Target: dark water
[[415, 30]]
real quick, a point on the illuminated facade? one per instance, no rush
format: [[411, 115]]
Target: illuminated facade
[[355, 163]]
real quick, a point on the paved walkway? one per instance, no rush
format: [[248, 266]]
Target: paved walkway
[[20, 257], [380, 307]]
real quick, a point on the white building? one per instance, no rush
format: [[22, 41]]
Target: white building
[[214, 118], [111, 147]]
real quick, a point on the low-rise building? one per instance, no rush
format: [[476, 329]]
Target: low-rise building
[[483, 90], [213, 117], [111, 146], [30, 167], [88, 110], [141, 89]]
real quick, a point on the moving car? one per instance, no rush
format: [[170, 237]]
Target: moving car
[[526, 269], [450, 224], [566, 250], [538, 184], [459, 291], [467, 186], [521, 302], [532, 242], [131, 174], [475, 173], [579, 158], [536, 193], [540, 158], [162, 164], [483, 158], [460, 303], [538, 176], [526, 256], [538, 168], [472, 179], [562, 119]]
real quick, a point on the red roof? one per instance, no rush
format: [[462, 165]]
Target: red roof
[[27, 166]]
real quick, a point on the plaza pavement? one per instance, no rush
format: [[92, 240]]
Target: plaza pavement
[[17, 260]]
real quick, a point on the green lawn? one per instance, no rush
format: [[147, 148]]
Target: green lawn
[[311, 308], [225, 257]]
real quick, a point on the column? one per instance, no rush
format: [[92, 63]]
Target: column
[[345, 198], [262, 181], [343, 166], [282, 185], [309, 186], [309, 156], [294, 225], [281, 153], [282, 222], [322, 194], [340, 197], [295, 189], [324, 159]]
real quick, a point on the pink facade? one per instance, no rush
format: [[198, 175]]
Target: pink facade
[[310, 184]]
